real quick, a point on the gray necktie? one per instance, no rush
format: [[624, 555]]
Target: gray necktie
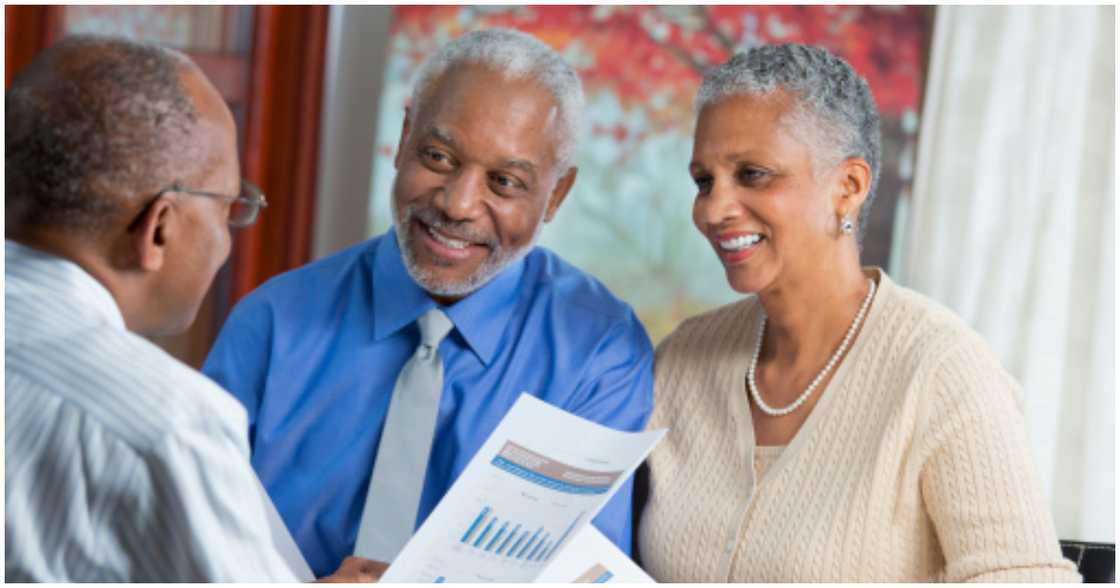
[[389, 516]]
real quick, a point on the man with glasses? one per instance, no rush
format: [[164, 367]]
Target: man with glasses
[[122, 464]]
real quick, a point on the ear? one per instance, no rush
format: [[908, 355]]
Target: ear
[[560, 192], [404, 137], [151, 234], [854, 183]]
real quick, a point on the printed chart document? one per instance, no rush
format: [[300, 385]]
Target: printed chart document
[[591, 558], [532, 488]]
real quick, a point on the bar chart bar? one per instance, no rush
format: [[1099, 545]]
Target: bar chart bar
[[544, 551], [521, 554], [497, 537], [533, 553], [485, 532], [508, 538], [520, 540], [475, 524]]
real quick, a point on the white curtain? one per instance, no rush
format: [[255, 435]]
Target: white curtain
[[1012, 226]]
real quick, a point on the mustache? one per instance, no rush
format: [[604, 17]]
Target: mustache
[[460, 230]]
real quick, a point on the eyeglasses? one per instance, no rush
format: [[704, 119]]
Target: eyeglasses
[[244, 207]]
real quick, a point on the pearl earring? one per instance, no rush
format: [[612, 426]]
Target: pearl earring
[[846, 226]]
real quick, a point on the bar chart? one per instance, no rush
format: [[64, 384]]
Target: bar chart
[[519, 508], [513, 540]]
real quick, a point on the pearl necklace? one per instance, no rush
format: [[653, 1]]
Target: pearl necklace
[[753, 386]]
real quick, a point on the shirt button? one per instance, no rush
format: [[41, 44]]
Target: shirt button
[[425, 351]]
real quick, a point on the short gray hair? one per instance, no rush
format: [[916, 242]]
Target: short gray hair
[[516, 55], [91, 120], [824, 87]]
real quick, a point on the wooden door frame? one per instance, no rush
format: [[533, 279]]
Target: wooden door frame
[[28, 29], [282, 140]]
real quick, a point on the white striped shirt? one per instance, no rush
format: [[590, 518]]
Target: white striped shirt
[[121, 463]]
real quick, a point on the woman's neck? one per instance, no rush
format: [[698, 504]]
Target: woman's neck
[[807, 316]]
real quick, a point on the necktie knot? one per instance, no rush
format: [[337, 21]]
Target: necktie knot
[[434, 327]]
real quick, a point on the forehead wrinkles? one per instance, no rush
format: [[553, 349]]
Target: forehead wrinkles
[[502, 120]]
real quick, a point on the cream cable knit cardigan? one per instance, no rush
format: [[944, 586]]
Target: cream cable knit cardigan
[[913, 466]]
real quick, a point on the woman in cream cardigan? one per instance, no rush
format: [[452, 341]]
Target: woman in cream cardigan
[[832, 425]]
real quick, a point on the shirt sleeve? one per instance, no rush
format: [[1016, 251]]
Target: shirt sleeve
[[978, 481], [617, 391], [239, 359], [196, 514]]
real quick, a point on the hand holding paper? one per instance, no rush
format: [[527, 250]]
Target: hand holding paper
[[356, 569]]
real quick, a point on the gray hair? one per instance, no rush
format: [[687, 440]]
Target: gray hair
[[516, 55], [91, 123], [834, 99]]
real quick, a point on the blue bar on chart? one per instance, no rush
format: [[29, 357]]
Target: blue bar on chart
[[497, 536], [521, 554], [485, 532], [508, 538], [516, 544], [533, 553], [440, 580], [475, 524], [544, 551]]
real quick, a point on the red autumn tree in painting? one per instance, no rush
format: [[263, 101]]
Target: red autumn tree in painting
[[636, 50]]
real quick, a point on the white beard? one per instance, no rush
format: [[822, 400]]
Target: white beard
[[498, 259]]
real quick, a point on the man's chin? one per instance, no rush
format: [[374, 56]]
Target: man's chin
[[453, 278], [438, 282]]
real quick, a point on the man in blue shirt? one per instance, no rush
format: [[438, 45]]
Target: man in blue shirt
[[314, 354]]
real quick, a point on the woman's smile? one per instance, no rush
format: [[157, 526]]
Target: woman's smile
[[737, 247]]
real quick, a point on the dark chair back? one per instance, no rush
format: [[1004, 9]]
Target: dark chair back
[[1095, 561]]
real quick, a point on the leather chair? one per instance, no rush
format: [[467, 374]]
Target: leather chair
[[1095, 561]]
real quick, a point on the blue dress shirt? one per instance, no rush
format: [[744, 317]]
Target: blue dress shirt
[[313, 354]]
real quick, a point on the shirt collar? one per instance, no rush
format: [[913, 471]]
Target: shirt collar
[[34, 273], [481, 317]]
